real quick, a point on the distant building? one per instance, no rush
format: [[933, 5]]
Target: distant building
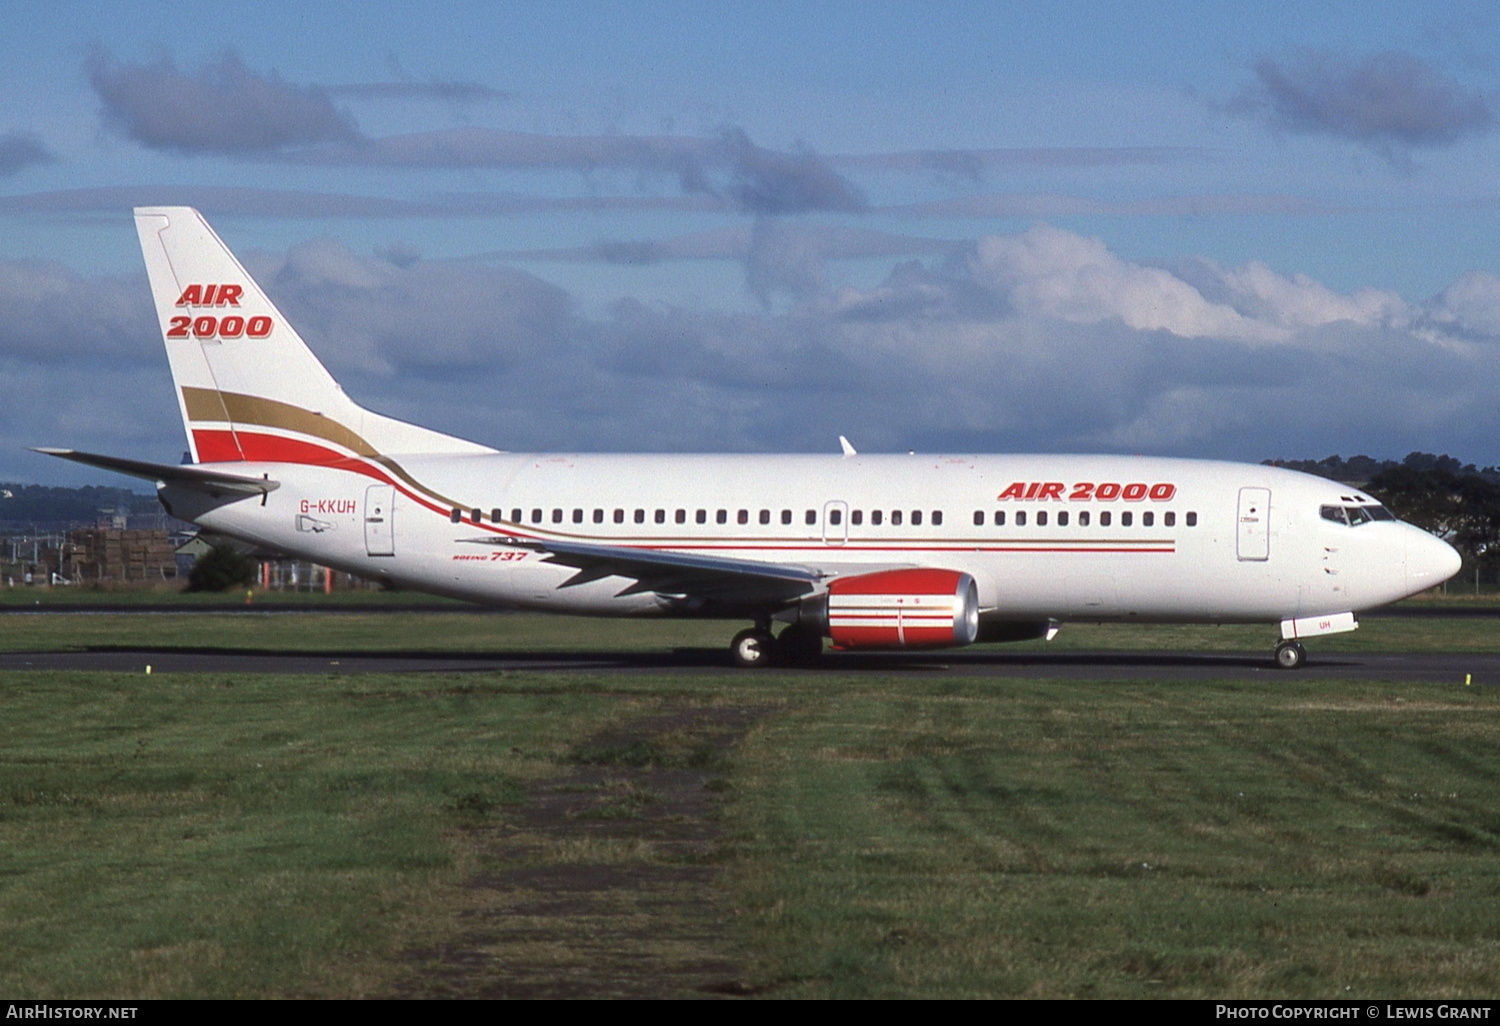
[[112, 555]]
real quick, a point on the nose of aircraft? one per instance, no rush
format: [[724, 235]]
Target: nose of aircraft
[[1429, 560]]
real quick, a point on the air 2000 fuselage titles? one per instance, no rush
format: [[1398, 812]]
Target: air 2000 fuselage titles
[[870, 551]]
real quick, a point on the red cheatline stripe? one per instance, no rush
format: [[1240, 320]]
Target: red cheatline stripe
[[258, 448], [275, 449], [955, 547]]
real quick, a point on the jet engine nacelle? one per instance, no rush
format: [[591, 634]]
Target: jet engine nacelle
[[897, 609]]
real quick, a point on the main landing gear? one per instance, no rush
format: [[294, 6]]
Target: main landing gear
[[756, 647], [753, 648], [1290, 655]]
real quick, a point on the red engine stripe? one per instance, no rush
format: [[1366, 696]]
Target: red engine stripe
[[898, 582], [889, 637]]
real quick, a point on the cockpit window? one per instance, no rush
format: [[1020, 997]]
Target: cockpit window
[[1354, 516]]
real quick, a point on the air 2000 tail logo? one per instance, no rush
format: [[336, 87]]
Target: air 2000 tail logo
[[206, 326]]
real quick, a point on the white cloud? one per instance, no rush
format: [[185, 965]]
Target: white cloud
[[1290, 302], [1052, 273], [1470, 306]]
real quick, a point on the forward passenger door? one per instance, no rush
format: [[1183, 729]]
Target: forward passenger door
[[1252, 541]]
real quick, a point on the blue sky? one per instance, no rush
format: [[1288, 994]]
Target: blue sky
[[1240, 231]]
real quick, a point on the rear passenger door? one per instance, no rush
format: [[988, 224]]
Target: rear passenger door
[[380, 538]]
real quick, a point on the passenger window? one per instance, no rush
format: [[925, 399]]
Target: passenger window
[[476, 516], [937, 518], [1192, 519], [457, 516], [701, 516], [557, 515], [681, 516], [876, 516], [1021, 518], [721, 516], [1147, 519], [812, 517], [916, 518], [536, 516], [661, 516], [1041, 518], [979, 518], [640, 516], [765, 516], [895, 518], [1126, 518], [1083, 518], [835, 516], [619, 516], [577, 516], [598, 516], [495, 516], [999, 518], [786, 516], [742, 517], [515, 516], [1062, 519], [1104, 518], [1169, 519], [857, 517]]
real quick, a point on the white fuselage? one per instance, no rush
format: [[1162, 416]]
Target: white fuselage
[[1082, 537]]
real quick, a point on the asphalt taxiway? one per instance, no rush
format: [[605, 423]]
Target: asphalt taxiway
[[1429, 667], [1434, 668]]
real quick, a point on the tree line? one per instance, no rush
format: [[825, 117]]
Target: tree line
[[30, 502]]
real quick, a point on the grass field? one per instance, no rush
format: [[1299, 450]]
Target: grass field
[[873, 834], [1125, 840]]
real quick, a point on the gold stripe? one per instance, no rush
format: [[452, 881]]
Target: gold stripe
[[212, 405], [204, 404], [209, 404]]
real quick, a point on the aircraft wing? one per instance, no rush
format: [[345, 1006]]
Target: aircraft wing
[[213, 482], [674, 573]]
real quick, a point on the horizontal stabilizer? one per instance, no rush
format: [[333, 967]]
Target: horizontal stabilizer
[[212, 482]]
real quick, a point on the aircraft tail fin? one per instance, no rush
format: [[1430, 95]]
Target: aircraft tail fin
[[248, 387]]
